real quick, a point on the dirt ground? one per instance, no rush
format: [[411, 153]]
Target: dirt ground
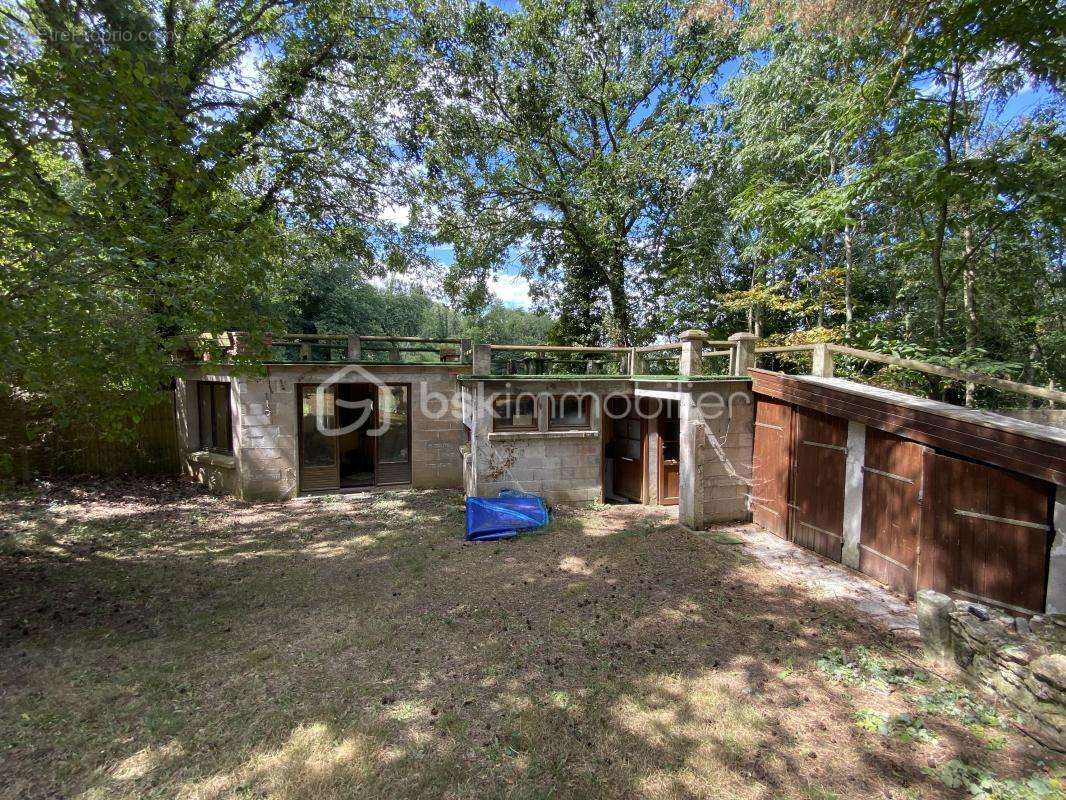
[[156, 641]]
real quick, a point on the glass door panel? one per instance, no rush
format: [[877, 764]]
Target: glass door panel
[[318, 446], [394, 440]]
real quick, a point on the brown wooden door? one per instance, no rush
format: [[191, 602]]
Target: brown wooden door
[[669, 455], [628, 452], [770, 465], [891, 510], [319, 465], [819, 449], [986, 535]]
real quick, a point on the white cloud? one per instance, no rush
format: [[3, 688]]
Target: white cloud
[[397, 215], [511, 290]]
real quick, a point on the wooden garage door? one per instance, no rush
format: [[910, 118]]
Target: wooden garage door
[[986, 535], [819, 451], [891, 509], [769, 467]]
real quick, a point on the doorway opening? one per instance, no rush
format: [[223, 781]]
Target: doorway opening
[[624, 451], [354, 435]]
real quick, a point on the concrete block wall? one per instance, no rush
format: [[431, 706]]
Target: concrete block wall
[[559, 465], [716, 453], [266, 438], [265, 464], [437, 433]]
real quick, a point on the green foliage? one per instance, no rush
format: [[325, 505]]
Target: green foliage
[[572, 133], [903, 727], [984, 785], [863, 668], [158, 164]]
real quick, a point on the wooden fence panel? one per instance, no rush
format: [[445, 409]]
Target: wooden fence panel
[[891, 510], [151, 450], [770, 465]]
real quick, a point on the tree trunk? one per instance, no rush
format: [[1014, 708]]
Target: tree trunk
[[969, 301], [620, 313], [849, 303], [946, 137], [754, 309]]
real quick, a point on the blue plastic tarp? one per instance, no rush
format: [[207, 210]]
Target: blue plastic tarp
[[489, 518]]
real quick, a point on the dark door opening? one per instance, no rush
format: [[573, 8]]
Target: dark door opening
[[355, 415], [354, 435], [624, 450]]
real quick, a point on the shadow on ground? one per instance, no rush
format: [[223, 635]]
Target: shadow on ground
[[157, 641]]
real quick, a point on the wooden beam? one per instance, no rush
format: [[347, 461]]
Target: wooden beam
[[544, 348], [953, 374]]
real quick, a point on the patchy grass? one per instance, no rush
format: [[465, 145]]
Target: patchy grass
[[157, 642]]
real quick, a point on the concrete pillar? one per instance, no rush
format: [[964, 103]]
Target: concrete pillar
[[355, 348], [856, 457], [1056, 575], [743, 352], [691, 352], [482, 360], [689, 505], [822, 363], [934, 624]]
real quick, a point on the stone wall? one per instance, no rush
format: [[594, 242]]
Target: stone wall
[[265, 465], [559, 465], [1019, 661], [1025, 668]]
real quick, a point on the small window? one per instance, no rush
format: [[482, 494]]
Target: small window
[[569, 411], [216, 429], [514, 413]]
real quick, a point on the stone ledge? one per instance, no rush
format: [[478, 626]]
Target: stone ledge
[[213, 459], [504, 436]]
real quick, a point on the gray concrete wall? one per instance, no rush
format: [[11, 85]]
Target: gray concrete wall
[[558, 465], [717, 439], [1056, 578]]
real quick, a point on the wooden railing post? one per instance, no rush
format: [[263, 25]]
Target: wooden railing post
[[464, 351], [743, 352], [355, 348]]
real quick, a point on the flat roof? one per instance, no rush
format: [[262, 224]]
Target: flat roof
[[1033, 430]]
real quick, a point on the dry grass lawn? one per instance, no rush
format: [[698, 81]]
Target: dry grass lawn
[[159, 642]]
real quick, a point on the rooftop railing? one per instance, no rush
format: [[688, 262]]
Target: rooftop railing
[[693, 356], [823, 364]]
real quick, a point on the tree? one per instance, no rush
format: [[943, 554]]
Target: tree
[[570, 137], [156, 158]]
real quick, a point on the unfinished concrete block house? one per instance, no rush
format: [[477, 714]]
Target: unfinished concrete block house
[[914, 492]]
